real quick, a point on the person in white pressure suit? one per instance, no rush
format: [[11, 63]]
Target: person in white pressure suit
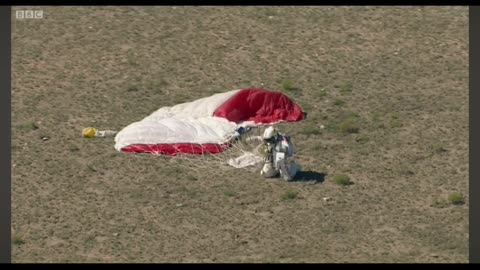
[[278, 155]]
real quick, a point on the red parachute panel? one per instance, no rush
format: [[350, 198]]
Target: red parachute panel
[[177, 148], [260, 106]]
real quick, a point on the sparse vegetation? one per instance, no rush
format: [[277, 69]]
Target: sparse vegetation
[[395, 121], [28, 126], [132, 58], [17, 240], [311, 130], [288, 85], [317, 147], [192, 177], [339, 102], [322, 93], [346, 88], [307, 108], [132, 88], [289, 195], [342, 179], [270, 12], [438, 148], [33, 126], [362, 139], [90, 240], [180, 99], [349, 125], [162, 83], [229, 193], [456, 198], [377, 120], [405, 171], [440, 202], [91, 168]]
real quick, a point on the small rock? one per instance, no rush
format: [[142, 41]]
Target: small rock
[[179, 205], [270, 17], [45, 139], [322, 126], [115, 234], [326, 199]]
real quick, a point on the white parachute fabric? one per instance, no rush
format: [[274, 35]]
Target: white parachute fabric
[[174, 129], [246, 160], [190, 122]]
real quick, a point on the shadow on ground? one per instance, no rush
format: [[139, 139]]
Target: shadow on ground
[[308, 176]]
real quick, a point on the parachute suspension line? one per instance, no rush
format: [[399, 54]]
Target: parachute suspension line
[[248, 143], [204, 161]]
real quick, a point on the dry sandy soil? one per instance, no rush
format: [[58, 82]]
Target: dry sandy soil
[[397, 74]]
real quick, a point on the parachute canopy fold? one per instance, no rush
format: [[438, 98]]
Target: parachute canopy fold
[[206, 125]]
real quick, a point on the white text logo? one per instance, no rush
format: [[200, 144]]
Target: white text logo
[[29, 14]]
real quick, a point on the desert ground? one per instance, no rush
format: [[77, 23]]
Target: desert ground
[[385, 88]]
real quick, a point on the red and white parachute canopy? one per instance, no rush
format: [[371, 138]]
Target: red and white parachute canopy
[[206, 125]]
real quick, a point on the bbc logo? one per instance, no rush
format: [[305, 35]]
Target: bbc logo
[[29, 14]]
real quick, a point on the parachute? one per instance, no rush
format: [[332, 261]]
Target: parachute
[[209, 125]]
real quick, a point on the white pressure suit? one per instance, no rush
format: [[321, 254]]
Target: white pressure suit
[[278, 156]]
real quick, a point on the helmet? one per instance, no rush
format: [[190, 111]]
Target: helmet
[[269, 133]]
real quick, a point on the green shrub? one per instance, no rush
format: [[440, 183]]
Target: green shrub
[[338, 102], [288, 85], [349, 125], [342, 179], [362, 139], [28, 126], [289, 195], [456, 198], [17, 240]]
